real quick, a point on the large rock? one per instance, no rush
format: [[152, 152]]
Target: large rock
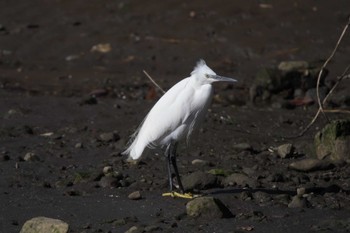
[[333, 141], [289, 75], [263, 84], [199, 180], [207, 207], [44, 225]]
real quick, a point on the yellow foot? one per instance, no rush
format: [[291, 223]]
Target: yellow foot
[[176, 194]]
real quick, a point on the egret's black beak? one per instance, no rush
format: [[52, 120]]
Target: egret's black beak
[[219, 78]]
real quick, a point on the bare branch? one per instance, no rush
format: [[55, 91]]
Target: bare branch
[[311, 123], [339, 79], [154, 82], [327, 61], [337, 111], [343, 76]]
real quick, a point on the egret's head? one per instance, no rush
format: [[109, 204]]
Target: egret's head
[[204, 73]]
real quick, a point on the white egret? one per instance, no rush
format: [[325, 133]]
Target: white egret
[[176, 114]]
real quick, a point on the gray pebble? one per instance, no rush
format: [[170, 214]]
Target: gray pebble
[[133, 229], [109, 137], [135, 195], [242, 146], [108, 181], [107, 170], [31, 156], [200, 162], [79, 145], [152, 228], [285, 150], [298, 202]]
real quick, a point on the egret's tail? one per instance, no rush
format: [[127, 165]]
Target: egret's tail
[[135, 150]]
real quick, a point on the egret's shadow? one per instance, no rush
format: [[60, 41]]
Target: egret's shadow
[[316, 190]]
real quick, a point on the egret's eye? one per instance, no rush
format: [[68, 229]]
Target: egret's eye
[[207, 75]]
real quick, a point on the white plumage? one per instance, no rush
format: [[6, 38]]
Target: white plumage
[[177, 113]]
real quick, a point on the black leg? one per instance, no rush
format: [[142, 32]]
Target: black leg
[[173, 161], [168, 161]]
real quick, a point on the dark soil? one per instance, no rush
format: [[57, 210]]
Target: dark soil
[[58, 98]]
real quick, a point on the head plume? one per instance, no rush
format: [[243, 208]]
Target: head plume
[[201, 67]]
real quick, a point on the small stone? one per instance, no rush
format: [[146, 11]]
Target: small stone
[[242, 147], [287, 66], [308, 165], [199, 180], [11, 113], [99, 92], [109, 181], [245, 196], [262, 197], [152, 228], [275, 177], [31, 156], [43, 224], [79, 145], [101, 48], [72, 57], [298, 202], [250, 171], [132, 229], [300, 191], [135, 195], [119, 222], [109, 137], [207, 207], [200, 162], [47, 134], [107, 169], [239, 179], [282, 199], [285, 150], [192, 14]]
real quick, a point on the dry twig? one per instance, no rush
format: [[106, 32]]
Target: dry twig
[[343, 76], [154, 82]]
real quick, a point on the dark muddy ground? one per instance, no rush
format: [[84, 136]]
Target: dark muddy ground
[[48, 70]]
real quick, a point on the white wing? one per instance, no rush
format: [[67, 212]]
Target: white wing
[[174, 115]]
